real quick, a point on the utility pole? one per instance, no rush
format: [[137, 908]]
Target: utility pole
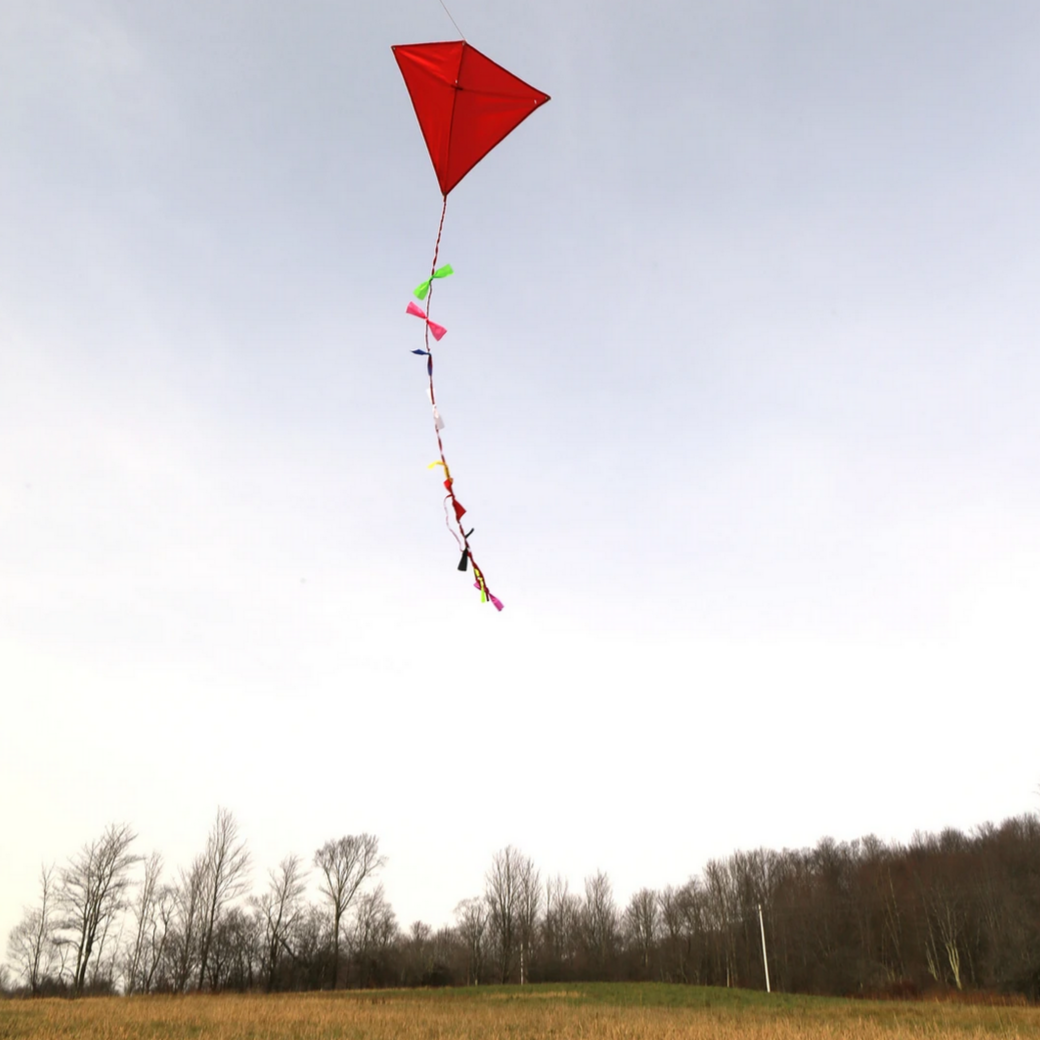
[[765, 959]]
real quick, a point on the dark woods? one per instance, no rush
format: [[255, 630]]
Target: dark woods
[[948, 911]]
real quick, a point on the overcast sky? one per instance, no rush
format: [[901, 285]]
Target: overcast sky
[[741, 390]]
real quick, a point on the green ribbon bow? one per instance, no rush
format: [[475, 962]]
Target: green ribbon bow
[[441, 272]]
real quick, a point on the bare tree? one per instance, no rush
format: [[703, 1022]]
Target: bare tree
[[642, 924], [502, 893], [188, 900], [944, 921], [600, 921], [560, 926], [280, 908], [235, 954], [721, 910], [375, 931], [30, 942], [105, 964], [150, 928], [163, 929], [226, 863], [93, 888], [418, 953], [529, 906], [472, 919], [675, 951], [344, 865]]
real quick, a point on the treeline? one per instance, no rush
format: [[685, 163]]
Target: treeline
[[952, 910]]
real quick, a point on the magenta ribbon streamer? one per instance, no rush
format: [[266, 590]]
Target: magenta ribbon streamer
[[436, 330]]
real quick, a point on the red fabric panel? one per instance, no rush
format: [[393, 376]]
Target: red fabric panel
[[465, 103], [430, 72]]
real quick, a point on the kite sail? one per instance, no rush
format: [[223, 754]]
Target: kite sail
[[466, 105]]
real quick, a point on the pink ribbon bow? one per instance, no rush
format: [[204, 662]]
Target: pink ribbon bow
[[437, 330], [485, 592]]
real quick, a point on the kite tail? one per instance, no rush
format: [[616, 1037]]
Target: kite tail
[[458, 510]]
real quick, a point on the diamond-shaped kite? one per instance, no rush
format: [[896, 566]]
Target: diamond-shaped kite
[[466, 104]]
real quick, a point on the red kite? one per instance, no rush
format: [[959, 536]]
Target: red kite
[[466, 104]]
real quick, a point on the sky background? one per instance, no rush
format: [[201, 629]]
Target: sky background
[[740, 388]]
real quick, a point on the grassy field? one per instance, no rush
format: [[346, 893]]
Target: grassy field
[[582, 1012]]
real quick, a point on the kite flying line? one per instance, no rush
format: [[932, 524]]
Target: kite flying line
[[466, 105], [453, 22]]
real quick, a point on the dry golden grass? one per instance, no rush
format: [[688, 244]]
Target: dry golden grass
[[536, 1013]]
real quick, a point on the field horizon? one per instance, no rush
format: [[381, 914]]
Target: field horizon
[[638, 1010]]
